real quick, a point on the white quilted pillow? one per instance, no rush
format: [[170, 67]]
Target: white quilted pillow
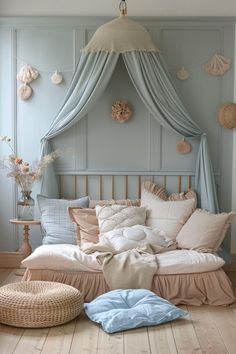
[[135, 236], [167, 216], [115, 216]]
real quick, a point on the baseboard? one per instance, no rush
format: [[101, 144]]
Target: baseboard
[[10, 259], [231, 267]]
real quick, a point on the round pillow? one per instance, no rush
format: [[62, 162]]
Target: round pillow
[[37, 304]]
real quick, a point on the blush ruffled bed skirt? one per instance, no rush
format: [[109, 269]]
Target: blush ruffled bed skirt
[[211, 288]]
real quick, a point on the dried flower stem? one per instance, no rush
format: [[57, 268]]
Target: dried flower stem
[[25, 174]]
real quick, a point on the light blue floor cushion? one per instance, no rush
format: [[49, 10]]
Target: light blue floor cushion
[[120, 309]]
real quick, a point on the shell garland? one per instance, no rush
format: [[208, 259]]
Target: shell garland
[[27, 74], [182, 74], [57, 78], [25, 92], [217, 65]]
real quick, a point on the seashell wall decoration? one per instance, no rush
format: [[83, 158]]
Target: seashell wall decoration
[[227, 115], [182, 74], [57, 78], [217, 65], [25, 92], [27, 74], [183, 147], [121, 111]]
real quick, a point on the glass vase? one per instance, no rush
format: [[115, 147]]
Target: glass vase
[[25, 206]]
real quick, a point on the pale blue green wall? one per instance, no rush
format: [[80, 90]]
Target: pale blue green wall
[[141, 144]]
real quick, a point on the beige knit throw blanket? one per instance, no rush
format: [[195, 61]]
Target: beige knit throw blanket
[[132, 269]]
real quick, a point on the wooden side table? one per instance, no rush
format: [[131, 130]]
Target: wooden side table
[[25, 249]]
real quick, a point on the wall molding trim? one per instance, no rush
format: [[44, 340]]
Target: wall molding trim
[[94, 21], [10, 259]]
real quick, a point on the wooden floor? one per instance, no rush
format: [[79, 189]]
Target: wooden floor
[[205, 330]]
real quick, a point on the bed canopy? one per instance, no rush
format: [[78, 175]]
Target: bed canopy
[[146, 68]]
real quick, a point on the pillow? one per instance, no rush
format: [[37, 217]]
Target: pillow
[[190, 194], [87, 224], [102, 202], [204, 231], [119, 310], [166, 216], [62, 257], [115, 216], [162, 193], [154, 189], [55, 221], [127, 238], [86, 220]]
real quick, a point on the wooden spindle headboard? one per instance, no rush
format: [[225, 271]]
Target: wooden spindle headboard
[[118, 185]]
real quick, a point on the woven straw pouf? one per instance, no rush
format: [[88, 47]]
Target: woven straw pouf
[[37, 304]]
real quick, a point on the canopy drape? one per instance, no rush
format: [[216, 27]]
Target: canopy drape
[[90, 79], [150, 78], [155, 88]]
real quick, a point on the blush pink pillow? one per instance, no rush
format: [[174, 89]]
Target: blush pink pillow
[[204, 231], [87, 224]]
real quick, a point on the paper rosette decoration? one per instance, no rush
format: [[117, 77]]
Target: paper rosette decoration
[[121, 111]]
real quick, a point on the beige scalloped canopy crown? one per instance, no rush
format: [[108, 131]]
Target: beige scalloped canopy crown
[[121, 35]]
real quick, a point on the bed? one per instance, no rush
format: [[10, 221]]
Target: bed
[[183, 276]]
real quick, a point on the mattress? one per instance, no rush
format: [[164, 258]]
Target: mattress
[[70, 258]]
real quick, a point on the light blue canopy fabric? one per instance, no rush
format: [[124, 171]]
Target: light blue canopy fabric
[[88, 83], [155, 88]]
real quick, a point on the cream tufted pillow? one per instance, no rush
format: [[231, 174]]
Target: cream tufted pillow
[[115, 216]]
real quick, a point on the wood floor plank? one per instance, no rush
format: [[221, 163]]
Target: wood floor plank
[[4, 273], [32, 341], [136, 341], [161, 339], [185, 336], [9, 338], [12, 278], [59, 339], [206, 330], [225, 321], [110, 343], [85, 337]]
